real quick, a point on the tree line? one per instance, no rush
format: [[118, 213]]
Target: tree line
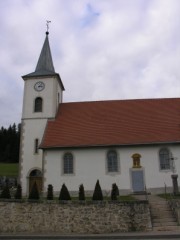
[[9, 144]]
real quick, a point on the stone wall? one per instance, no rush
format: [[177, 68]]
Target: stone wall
[[74, 217]]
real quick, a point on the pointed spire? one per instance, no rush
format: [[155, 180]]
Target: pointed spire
[[45, 62], [45, 65]]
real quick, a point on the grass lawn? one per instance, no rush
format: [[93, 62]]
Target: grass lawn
[[9, 169], [169, 196], [125, 198]]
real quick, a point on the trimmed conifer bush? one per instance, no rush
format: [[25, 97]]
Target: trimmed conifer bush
[[18, 194], [97, 195], [81, 193], [50, 192], [5, 192], [64, 193], [114, 192], [34, 194]]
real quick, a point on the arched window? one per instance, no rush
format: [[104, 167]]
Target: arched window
[[164, 158], [35, 173], [112, 161], [38, 104], [68, 163]]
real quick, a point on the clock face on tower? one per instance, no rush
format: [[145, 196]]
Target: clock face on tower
[[39, 86]]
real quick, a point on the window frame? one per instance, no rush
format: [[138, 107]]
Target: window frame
[[69, 165], [36, 146], [38, 106], [164, 161], [114, 168]]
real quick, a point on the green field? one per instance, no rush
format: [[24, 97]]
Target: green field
[[9, 169]]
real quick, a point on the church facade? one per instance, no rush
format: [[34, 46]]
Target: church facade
[[133, 143]]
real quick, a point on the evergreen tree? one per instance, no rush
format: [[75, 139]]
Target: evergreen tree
[[9, 143], [81, 193], [5, 192], [97, 195], [34, 193], [114, 192], [64, 193], [50, 192], [18, 194]]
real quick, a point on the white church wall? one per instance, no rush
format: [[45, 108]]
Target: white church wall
[[90, 165], [154, 177], [29, 160]]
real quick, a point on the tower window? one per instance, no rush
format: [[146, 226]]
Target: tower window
[[38, 104], [36, 145]]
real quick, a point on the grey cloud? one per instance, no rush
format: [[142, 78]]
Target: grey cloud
[[131, 49]]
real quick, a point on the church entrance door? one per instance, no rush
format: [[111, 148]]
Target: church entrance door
[[137, 179], [35, 177]]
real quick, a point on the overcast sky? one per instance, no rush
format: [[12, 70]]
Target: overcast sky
[[102, 49]]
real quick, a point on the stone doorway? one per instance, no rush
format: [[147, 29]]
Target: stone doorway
[[35, 176]]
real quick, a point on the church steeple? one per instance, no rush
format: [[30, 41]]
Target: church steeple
[[45, 62], [43, 94], [45, 67]]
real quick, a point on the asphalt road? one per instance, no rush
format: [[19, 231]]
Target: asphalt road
[[49, 238], [97, 237]]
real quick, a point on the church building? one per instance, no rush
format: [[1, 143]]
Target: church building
[[133, 143]]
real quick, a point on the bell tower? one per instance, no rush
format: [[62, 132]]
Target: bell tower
[[43, 90]]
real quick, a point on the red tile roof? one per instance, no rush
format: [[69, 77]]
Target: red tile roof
[[121, 122]]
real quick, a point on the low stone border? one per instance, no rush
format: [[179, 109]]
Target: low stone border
[[74, 217]]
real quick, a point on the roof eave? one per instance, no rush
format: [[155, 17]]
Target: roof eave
[[34, 76], [109, 145]]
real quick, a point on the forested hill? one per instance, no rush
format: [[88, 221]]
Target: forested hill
[[9, 144]]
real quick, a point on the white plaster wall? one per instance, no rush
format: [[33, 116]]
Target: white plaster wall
[[34, 123], [90, 165], [32, 129], [153, 175], [49, 96]]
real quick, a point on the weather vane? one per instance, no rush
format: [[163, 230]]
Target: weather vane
[[47, 25]]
